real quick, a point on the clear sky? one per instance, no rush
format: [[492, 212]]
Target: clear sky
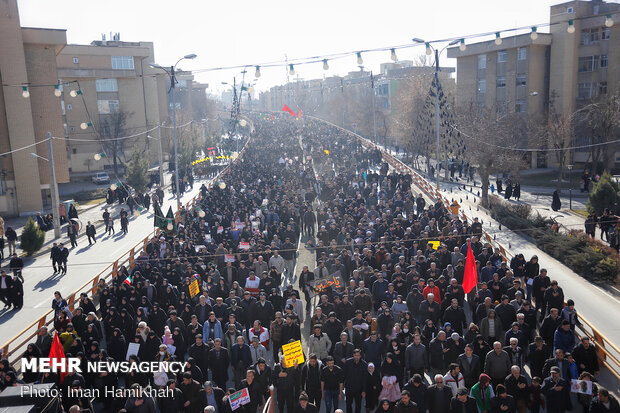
[[225, 33]]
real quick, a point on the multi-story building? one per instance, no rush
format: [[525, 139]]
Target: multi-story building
[[112, 92], [29, 108], [568, 67]]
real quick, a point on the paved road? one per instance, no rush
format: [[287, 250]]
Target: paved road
[[84, 262]]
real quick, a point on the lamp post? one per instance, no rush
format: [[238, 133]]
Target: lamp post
[[570, 186], [429, 50], [173, 82], [53, 185]]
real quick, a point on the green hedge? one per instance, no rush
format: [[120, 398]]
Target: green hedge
[[589, 258]]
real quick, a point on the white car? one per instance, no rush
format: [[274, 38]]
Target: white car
[[101, 178]]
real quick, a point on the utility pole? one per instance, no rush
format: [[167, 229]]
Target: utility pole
[[342, 90], [374, 115], [437, 110], [174, 128], [53, 188]]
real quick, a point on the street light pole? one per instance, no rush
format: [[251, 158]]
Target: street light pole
[[437, 110], [174, 134], [570, 187], [53, 188]]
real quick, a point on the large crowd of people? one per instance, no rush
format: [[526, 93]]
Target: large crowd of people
[[397, 333]]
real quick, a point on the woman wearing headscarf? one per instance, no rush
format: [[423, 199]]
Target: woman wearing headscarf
[[391, 375], [32, 352], [373, 387], [117, 349], [482, 392]]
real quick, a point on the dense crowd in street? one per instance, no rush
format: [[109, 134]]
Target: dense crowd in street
[[397, 333]]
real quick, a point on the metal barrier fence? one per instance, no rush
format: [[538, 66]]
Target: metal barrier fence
[[20, 341], [607, 352]]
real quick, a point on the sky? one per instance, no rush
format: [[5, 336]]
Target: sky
[[227, 33]]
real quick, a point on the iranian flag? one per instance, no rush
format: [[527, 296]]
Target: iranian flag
[[128, 280]]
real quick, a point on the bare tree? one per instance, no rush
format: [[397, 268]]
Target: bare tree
[[555, 132], [601, 119], [113, 127], [489, 142]]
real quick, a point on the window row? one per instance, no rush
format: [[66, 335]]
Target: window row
[[521, 80], [122, 62], [592, 36], [108, 106], [502, 56], [591, 63], [590, 90]]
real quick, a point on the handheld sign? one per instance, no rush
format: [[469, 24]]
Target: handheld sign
[[239, 398], [194, 288], [581, 386], [132, 350], [244, 245], [435, 244], [229, 258], [324, 284], [292, 351]]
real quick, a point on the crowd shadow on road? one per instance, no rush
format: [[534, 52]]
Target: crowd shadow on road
[[49, 282], [6, 314]]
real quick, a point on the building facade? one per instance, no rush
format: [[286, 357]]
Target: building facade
[[576, 62], [110, 92], [29, 108]]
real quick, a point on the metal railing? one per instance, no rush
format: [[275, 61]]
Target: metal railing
[[20, 341]]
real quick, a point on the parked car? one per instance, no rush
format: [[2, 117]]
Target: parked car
[[101, 178]]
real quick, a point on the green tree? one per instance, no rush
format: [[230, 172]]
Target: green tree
[[137, 170], [32, 238], [604, 195]]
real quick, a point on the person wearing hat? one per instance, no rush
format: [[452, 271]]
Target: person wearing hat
[[556, 391], [298, 306], [257, 350], [462, 402], [564, 337], [482, 392]]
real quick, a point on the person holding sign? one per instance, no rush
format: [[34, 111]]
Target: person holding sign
[[285, 380], [254, 391]]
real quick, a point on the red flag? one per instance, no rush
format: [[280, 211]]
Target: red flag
[[57, 353], [299, 115], [289, 110], [470, 279]]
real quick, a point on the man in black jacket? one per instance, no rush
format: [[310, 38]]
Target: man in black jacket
[[604, 402], [469, 364], [311, 380], [286, 380], [585, 356], [503, 402], [214, 397], [54, 257], [462, 403], [17, 265], [438, 396], [355, 372], [171, 403], [91, 233], [417, 390], [304, 406], [219, 360], [63, 255], [193, 394]]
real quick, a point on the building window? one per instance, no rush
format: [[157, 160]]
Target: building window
[[106, 85], [587, 64], [501, 82], [589, 36], [605, 33], [482, 61], [502, 56], [521, 80], [520, 106], [521, 53], [122, 62], [76, 60], [602, 88], [569, 10], [108, 106], [604, 60], [584, 91], [482, 86]]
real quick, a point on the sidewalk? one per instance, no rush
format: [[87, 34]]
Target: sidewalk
[[92, 213]]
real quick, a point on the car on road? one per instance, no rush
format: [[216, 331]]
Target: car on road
[[101, 178]]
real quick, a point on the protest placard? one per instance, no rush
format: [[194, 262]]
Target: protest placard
[[292, 351], [435, 244], [132, 350], [194, 288], [239, 398], [581, 386], [244, 245], [323, 284], [229, 258]]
